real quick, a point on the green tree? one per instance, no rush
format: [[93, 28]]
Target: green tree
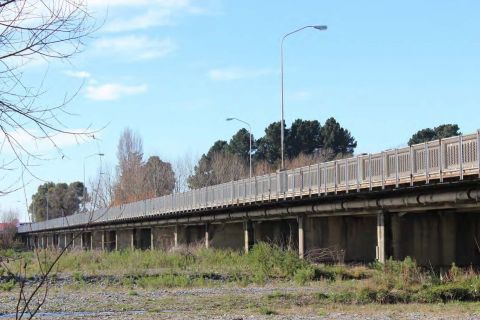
[[239, 144], [304, 136], [61, 199], [268, 146], [441, 132], [336, 138]]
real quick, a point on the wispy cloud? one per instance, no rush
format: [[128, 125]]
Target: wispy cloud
[[144, 14], [237, 73], [134, 47], [78, 74], [113, 91], [36, 142], [301, 95]]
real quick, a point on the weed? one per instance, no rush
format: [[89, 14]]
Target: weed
[[279, 296], [8, 285], [266, 311]]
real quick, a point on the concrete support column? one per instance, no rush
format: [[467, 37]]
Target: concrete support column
[[103, 240], [152, 239], [132, 239], [248, 235], [207, 236], [383, 237], [81, 241], [175, 237], [301, 237], [116, 241]]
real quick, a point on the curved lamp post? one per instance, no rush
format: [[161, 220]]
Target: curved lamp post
[[250, 132], [320, 28]]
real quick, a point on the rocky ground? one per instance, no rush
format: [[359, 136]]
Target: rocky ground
[[279, 301]]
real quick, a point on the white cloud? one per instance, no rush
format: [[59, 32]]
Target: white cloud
[[135, 47], [113, 91], [237, 73], [78, 74]]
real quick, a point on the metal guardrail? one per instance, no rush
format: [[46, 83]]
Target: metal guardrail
[[452, 157]]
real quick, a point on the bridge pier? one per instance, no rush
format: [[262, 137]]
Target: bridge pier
[[249, 240], [301, 237], [207, 236], [384, 234]]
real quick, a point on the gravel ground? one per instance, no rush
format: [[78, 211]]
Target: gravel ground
[[283, 301]]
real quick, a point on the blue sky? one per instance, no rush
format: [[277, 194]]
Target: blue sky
[[173, 70]]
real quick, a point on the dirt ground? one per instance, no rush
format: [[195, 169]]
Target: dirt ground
[[283, 301]]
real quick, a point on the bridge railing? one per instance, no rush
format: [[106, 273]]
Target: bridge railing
[[437, 160]]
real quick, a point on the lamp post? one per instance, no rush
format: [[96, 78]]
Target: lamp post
[[84, 186], [282, 138], [250, 150]]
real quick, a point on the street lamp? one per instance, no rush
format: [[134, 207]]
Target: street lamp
[[250, 132], [320, 28], [84, 185]]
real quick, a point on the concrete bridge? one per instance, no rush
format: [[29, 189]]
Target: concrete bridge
[[420, 201]]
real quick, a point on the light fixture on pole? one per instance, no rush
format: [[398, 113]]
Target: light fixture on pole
[[250, 149], [282, 138], [84, 186]]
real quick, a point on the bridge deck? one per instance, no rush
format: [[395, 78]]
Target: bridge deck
[[451, 158]]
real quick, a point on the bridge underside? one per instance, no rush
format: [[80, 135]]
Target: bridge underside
[[436, 227]]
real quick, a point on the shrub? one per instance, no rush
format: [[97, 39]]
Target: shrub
[[304, 275]]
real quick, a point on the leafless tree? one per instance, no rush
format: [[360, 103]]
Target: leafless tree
[[183, 167], [30, 31], [129, 182], [228, 167], [101, 187]]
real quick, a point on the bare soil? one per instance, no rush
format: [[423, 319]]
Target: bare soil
[[278, 301]]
